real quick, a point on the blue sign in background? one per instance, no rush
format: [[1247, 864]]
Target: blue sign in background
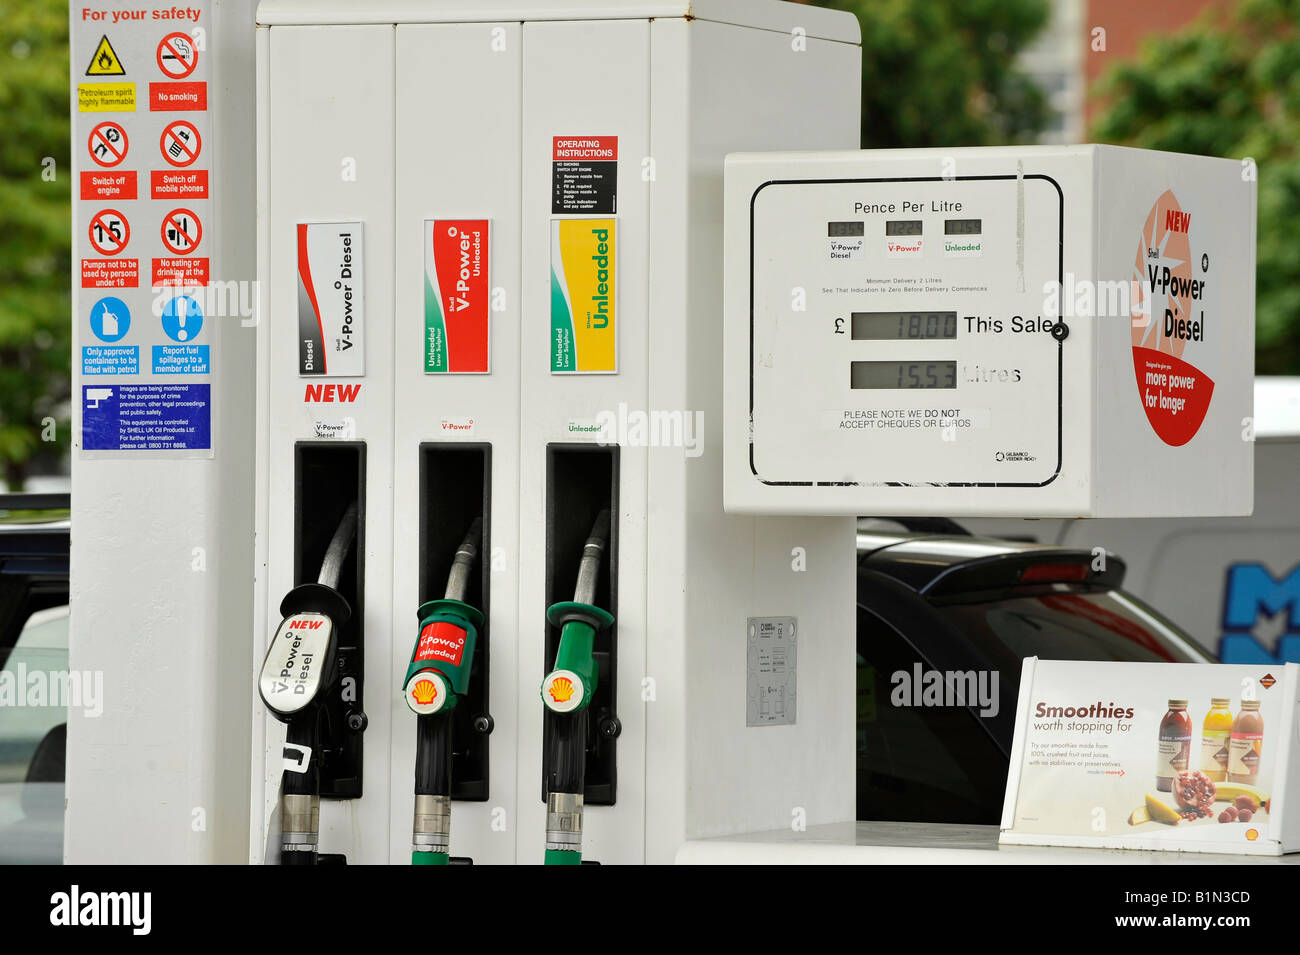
[[146, 417]]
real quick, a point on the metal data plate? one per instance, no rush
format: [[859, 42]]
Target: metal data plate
[[771, 671], [293, 669]]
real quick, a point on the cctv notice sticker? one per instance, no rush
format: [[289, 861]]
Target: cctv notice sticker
[[456, 296], [331, 297], [1187, 756], [1170, 323], [583, 295]]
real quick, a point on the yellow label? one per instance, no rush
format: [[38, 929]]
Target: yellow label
[[106, 97], [583, 323], [105, 61]]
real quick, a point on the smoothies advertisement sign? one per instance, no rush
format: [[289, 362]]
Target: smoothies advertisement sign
[[1193, 757]]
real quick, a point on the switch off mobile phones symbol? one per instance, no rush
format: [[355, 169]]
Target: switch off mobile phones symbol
[[180, 143]]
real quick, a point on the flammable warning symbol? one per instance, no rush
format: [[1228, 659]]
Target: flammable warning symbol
[[105, 61]]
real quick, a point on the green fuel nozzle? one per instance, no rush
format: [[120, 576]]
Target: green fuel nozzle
[[567, 691], [438, 675]]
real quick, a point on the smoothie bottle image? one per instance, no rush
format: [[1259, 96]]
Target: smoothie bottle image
[[1173, 754], [1245, 744], [1215, 734]]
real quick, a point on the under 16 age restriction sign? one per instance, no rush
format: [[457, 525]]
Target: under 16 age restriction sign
[[109, 232]]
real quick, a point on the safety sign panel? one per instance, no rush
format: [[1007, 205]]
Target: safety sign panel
[[583, 294], [584, 175], [143, 240], [331, 299], [146, 417], [456, 294]]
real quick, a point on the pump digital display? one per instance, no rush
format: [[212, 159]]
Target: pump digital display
[[903, 227], [902, 326], [871, 375], [838, 230], [962, 226]]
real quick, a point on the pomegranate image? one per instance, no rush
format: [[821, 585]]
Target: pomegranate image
[[1194, 792]]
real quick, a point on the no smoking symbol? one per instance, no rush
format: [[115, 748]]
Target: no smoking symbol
[[180, 143], [109, 232], [177, 56], [181, 231], [108, 144]]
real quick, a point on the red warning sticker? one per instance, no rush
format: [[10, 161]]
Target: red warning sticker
[[1169, 324]]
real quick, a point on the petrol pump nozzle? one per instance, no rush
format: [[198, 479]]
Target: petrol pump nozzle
[[567, 691], [436, 678], [297, 670]]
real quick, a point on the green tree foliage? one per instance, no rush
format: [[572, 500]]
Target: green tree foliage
[[35, 245], [1229, 85], [943, 72]]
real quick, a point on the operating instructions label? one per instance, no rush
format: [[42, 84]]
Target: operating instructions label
[[770, 671]]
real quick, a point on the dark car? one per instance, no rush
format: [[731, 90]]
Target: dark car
[[944, 623], [34, 540]]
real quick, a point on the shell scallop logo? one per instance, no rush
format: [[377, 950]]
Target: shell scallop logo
[[424, 692], [1252, 834], [561, 689]]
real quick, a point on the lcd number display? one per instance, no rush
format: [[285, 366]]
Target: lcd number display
[[903, 374], [901, 326]]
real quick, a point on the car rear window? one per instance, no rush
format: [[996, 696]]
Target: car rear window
[[1069, 625]]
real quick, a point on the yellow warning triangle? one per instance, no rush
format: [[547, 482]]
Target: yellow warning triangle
[[105, 61]]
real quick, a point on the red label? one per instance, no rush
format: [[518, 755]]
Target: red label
[[330, 393], [568, 148], [167, 184], [186, 272], [178, 96], [460, 255], [108, 185], [1175, 393], [441, 641], [110, 273]]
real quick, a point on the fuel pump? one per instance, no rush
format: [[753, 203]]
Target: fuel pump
[[436, 678], [298, 671], [567, 691]]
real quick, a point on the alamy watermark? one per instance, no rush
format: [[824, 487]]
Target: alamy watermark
[[634, 428], [64, 689]]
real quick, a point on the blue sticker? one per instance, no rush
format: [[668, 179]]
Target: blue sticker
[[110, 319], [110, 360], [146, 417], [182, 318], [180, 360]]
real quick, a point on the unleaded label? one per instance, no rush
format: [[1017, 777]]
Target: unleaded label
[[456, 295], [583, 296]]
